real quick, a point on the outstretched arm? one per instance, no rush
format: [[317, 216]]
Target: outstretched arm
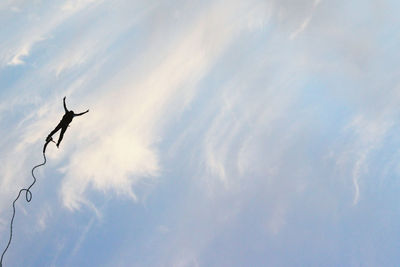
[[65, 106], [82, 113]]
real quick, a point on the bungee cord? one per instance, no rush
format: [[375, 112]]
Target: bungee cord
[[28, 198]]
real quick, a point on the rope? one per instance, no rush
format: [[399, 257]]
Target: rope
[[28, 198]]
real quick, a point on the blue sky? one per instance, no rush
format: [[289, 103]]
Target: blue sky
[[220, 133]]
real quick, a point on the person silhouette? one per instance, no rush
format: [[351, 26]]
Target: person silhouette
[[64, 123]]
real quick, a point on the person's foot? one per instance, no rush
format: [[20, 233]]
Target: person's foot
[[57, 145]]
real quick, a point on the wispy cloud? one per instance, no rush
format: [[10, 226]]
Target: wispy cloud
[[255, 121], [305, 23], [368, 136], [17, 59], [75, 5], [126, 153]]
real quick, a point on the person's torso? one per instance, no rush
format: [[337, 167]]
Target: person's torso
[[67, 118]]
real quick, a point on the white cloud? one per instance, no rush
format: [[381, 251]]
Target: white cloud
[[186, 259], [277, 220], [163, 229], [122, 147], [76, 5], [267, 112], [43, 217], [35, 26], [82, 236], [305, 22], [301, 28], [368, 136], [17, 59]]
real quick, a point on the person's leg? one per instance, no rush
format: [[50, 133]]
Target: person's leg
[[58, 127], [63, 129]]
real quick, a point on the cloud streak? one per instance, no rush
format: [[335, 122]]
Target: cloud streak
[[220, 133]]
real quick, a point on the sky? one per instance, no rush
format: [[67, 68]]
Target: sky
[[220, 133]]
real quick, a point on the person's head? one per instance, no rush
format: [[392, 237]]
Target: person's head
[[71, 112]]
